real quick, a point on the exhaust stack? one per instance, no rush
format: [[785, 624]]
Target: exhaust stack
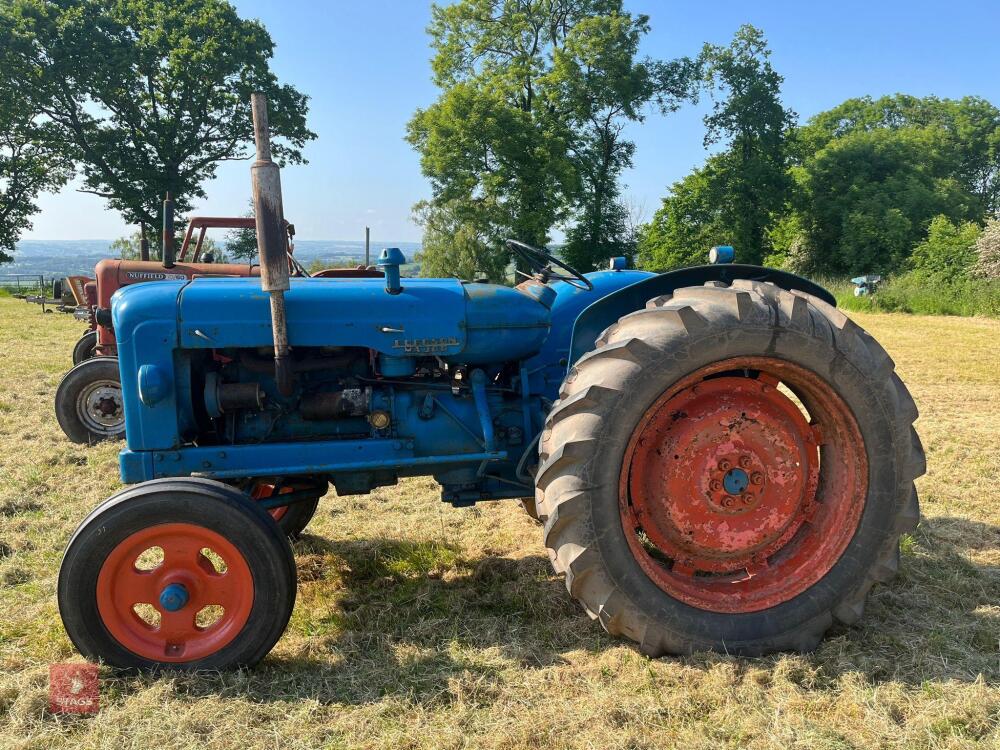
[[265, 178], [169, 255]]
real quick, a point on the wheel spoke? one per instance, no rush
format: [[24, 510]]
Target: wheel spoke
[[220, 589], [176, 628], [182, 553], [138, 586]]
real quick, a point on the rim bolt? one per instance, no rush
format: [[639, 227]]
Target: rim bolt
[[745, 462], [746, 499], [715, 485], [728, 501], [757, 478], [725, 465]]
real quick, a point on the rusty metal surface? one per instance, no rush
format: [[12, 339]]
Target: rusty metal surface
[[727, 501], [265, 177]]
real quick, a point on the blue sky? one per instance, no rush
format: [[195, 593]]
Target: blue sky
[[365, 66]]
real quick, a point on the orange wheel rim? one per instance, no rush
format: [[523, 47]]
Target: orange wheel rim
[[185, 576], [264, 491], [732, 498]]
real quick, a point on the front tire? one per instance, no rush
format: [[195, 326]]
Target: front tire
[[138, 591], [85, 348], [690, 501], [89, 404]]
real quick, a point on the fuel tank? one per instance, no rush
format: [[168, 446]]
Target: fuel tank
[[461, 322]]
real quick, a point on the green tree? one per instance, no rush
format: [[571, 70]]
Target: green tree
[[967, 135], [599, 81], [743, 190], [753, 123], [241, 244], [688, 223], [454, 247], [148, 96], [949, 251], [526, 133], [867, 197], [30, 164]]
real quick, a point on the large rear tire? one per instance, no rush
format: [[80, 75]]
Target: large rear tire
[[89, 404], [729, 469]]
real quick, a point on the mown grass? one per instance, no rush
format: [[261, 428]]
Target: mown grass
[[422, 626]]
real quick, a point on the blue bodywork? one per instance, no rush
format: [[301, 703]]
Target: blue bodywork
[[463, 373], [417, 376]]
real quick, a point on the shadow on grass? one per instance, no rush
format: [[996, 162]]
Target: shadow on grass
[[387, 618]]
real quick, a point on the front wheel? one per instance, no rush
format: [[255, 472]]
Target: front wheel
[[85, 348], [177, 573], [89, 404], [291, 519], [729, 469]]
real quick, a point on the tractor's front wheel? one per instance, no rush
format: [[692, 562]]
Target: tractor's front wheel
[[291, 519], [729, 469], [177, 573], [85, 348], [89, 404]]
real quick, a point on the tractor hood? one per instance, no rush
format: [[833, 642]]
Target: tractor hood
[[465, 322]]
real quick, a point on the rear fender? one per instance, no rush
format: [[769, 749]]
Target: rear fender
[[607, 310]]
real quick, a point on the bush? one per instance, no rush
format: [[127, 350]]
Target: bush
[[948, 253], [988, 252], [924, 295]]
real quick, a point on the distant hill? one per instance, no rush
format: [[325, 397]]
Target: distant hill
[[55, 258]]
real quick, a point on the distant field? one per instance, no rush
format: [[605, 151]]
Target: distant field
[[422, 626]]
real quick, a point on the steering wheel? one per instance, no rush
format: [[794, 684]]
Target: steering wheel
[[541, 260]]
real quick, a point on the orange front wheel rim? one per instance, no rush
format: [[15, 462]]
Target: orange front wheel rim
[[175, 592]]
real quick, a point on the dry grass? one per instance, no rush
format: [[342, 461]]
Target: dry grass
[[422, 626]]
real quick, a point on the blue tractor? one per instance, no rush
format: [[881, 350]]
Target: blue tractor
[[719, 458]]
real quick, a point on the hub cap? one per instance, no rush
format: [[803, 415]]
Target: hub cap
[[733, 499], [99, 407], [198, 583]]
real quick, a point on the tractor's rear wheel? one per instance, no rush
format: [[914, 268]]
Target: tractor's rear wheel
[[89, 404], [177, 573], [730, 468], [85, 348]]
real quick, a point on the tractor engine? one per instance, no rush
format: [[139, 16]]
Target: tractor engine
[[389, 379]]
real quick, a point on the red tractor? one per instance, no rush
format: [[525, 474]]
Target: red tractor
[[88, 402]]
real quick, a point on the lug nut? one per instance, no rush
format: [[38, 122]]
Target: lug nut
[[715, 485], [757, 478], [725, 465], [745, 462]]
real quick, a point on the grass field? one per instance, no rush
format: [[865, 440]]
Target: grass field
[[422, 626]]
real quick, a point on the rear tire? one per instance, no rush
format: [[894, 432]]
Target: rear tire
[[89, 404], [100, 580], [587, 480], [85, 348]]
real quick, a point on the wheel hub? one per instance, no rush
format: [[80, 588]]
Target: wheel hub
[[187, 582], [174, 597], [100, 406], [720, 492]]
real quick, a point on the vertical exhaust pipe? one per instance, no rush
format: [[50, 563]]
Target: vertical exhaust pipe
[[265, 178], [143, 242], [169, 255]]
